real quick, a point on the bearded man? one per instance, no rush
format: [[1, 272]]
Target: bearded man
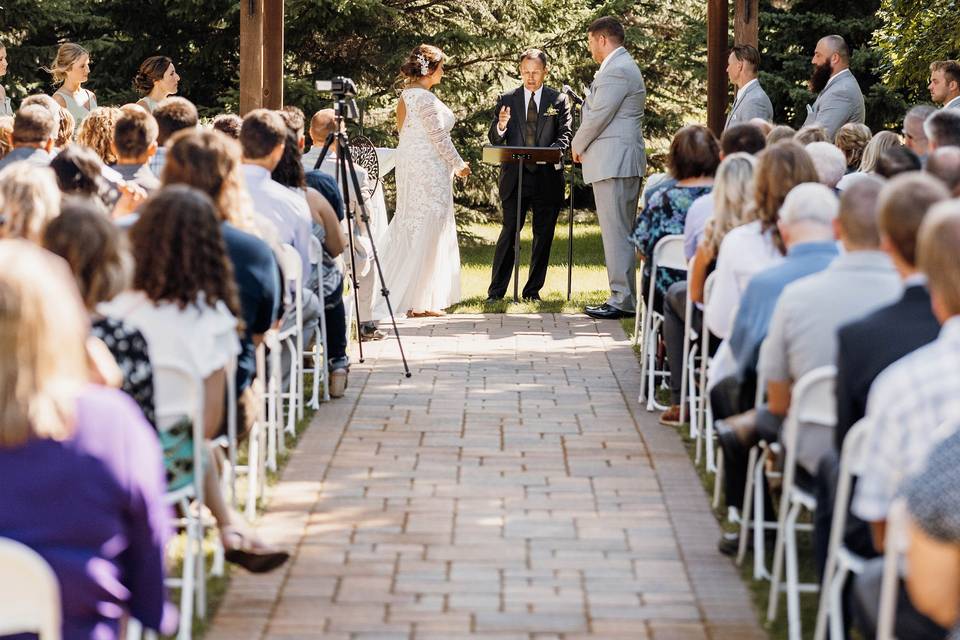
[[840, 100]]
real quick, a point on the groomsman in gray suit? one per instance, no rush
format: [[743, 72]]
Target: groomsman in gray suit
[[840, 100], [945, 83], [751, 101], [610, 146]]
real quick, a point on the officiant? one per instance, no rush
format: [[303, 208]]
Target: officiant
[[533, 115]]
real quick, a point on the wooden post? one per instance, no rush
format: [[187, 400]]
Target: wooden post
[[273, 47], [746, 23], [251, 55], [717, 46]]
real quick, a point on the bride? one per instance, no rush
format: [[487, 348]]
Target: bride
[[420, 257]]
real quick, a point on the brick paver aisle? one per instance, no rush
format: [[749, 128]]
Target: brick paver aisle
[[511, 489]]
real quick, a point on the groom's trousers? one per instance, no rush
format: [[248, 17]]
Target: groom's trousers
[[545, 213], [616, 200]]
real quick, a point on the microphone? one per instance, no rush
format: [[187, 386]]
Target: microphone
[[577, 100]]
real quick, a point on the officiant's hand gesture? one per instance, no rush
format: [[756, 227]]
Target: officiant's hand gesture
[[504, 118]]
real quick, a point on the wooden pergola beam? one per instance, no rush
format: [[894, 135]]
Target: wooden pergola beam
[[746, 27], [261, 54]]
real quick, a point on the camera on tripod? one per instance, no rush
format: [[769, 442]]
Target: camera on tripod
[[344, 91]]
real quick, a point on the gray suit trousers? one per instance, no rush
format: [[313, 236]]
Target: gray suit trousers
[[616, 200]]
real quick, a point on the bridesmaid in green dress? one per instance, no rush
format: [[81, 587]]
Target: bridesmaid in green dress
[[70, 69], [156, 79]]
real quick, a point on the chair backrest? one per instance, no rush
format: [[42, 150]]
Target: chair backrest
[[290, 263], [813, 404], [316, 250], [668, 253], [29, 593], [852, 455], [708, 288], [182, 396]]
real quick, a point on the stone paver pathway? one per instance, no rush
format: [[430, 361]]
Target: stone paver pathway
[[511, 489]]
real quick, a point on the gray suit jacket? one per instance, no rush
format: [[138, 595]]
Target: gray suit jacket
[[839, 103], [609, 137], [754, 103]]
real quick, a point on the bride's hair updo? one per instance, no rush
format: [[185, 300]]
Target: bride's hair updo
[[422, 61]]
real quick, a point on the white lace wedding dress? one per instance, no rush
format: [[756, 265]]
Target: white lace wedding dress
[[420, 256]]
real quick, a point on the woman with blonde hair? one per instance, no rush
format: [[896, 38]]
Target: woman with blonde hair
[[70, 69], [6, 131], [99, 501], [156, 79], [872, 153], [67, 127], [30, 199], [852, 139], [96, 132]]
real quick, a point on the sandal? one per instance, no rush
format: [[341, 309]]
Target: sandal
[[251, 554]]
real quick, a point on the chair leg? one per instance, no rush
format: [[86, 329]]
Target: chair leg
[[718, 479], [793, 573], [759, 522], [747, 506], [777, 571], [187, 583]]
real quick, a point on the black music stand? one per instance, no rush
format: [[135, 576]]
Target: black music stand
[[521, 155]]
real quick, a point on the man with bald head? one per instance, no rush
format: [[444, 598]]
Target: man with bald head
[[944, 163], [839, 98]]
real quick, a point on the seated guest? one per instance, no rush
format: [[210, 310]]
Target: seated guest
[[907, 405], [48, 103], [933, 552], [867, 346], [810, 134], [806, 226], [694, 157], [30, 199], [733, 191], [852, 139], [184, 302], [210, 162], [830, 163], [134, 143], [914, 137], [871, 157], [6, 133], [33, 137], [897, 160], [262, 139], [96, 132], [780, 133], [765, 126], [91, 245], [228, 124], [79, 172], [944, 163], [942, 129], [757, 245], [67, 127], [738, 138], [96, 513], [172, 115]]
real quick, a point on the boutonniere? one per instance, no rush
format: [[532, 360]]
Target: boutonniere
[[552, 111]]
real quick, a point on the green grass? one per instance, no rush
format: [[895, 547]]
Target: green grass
[[589, 272]]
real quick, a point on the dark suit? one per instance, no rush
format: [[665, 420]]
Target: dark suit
[[865, 348], [543, 185]]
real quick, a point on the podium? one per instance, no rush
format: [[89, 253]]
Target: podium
[[522, 156]]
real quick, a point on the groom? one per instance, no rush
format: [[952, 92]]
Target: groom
[[533, 115], [610, 146]]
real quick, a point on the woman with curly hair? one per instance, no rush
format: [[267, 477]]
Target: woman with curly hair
[[184, 302], [70, 69], [96, 132], [67, 127], [156, 79]]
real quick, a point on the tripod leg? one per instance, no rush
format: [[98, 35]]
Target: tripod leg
[[342, 174], [570, 238], [365, 217]]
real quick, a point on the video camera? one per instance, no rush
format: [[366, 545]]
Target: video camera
[[344, 91]]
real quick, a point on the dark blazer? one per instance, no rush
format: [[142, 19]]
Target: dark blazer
[[869, 345], [552, 131]]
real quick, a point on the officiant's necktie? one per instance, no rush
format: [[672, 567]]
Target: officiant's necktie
[[531, 129]]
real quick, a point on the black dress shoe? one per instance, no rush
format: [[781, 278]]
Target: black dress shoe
[[531, 297], [606, 312], [729, 544], [493, 300]]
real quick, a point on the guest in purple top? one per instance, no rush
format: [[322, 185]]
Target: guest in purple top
[[81, 469]]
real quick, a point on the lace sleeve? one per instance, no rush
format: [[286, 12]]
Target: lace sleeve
[[440, 137]]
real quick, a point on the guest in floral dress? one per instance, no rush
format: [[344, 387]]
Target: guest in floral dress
[[694, 157]]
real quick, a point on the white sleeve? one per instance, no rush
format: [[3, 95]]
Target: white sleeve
[[426, 108], [725, 292]]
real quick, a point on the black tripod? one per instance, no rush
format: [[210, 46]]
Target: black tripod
[[346, 174]]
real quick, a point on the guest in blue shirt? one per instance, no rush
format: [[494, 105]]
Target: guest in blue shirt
[[806, 226]]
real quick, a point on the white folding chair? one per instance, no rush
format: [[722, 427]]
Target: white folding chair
[[319, 358], [894, 546], [667, 254], [29, 593], [812, 402], [181, 394], [704, 414], [841, 562]]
